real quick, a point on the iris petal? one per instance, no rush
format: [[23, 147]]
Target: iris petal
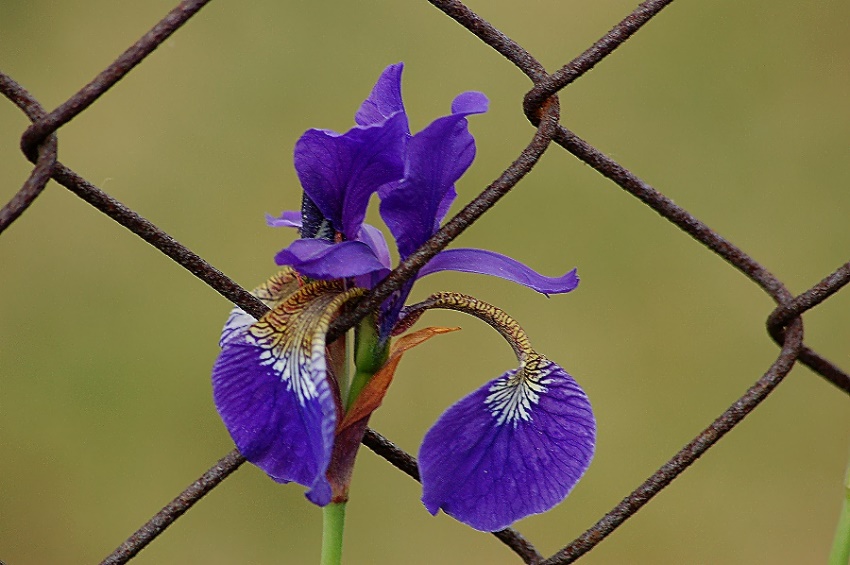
[[271, 293], [436, 158], [340, 172], [287, 219], [271, 388], [384, 100], [486, 262], [320, 259], [372, 236], [512, 448]]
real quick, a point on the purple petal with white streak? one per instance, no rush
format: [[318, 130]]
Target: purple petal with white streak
[[514, 447], [495, 264], [281, 421]]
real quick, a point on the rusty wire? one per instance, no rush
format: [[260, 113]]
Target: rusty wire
[[39, 144]]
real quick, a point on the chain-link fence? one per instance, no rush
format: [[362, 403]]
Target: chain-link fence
[[544, 110]]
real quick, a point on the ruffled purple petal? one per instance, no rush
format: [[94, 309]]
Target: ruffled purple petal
[[323, 260], [384, 100], [340, 172], [281, 418], [515, 447], [287, 219], [436, 158], [486, 262]]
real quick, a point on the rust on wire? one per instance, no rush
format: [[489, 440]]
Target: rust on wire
[[831, 284], [483, 30], [592, 55], [708, 237], [39, 143], [45, 157]]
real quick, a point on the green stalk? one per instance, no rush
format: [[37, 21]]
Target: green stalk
[[333, 522], [840, 554]]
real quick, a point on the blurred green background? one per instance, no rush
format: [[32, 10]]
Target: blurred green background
[[739, 112]]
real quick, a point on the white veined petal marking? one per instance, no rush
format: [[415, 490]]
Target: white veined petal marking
[[513, 396], [292, 336]]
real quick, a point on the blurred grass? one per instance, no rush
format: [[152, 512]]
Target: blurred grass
[[737, 112]]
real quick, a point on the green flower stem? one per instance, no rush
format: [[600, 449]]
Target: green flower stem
[[333, 523], [840, 554]]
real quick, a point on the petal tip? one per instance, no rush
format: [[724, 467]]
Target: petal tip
[[471, 102]]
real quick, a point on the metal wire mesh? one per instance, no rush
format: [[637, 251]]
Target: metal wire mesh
[[542, 108]]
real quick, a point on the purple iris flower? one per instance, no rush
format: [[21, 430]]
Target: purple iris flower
[[414, 177], [515, 447]]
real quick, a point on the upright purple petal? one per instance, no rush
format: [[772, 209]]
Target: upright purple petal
[[340, 172], [486, 262], [320, 259], [436, 158], [384, 100], [515, 447]]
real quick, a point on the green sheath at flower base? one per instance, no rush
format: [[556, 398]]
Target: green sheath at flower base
[[370, 354]]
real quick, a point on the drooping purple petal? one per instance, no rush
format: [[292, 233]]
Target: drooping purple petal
[[486, 262], [515, 447], [436, 158], [384, 100], [271, 388], [278, 421], [340, 172], [287, 219], [320, 259]]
